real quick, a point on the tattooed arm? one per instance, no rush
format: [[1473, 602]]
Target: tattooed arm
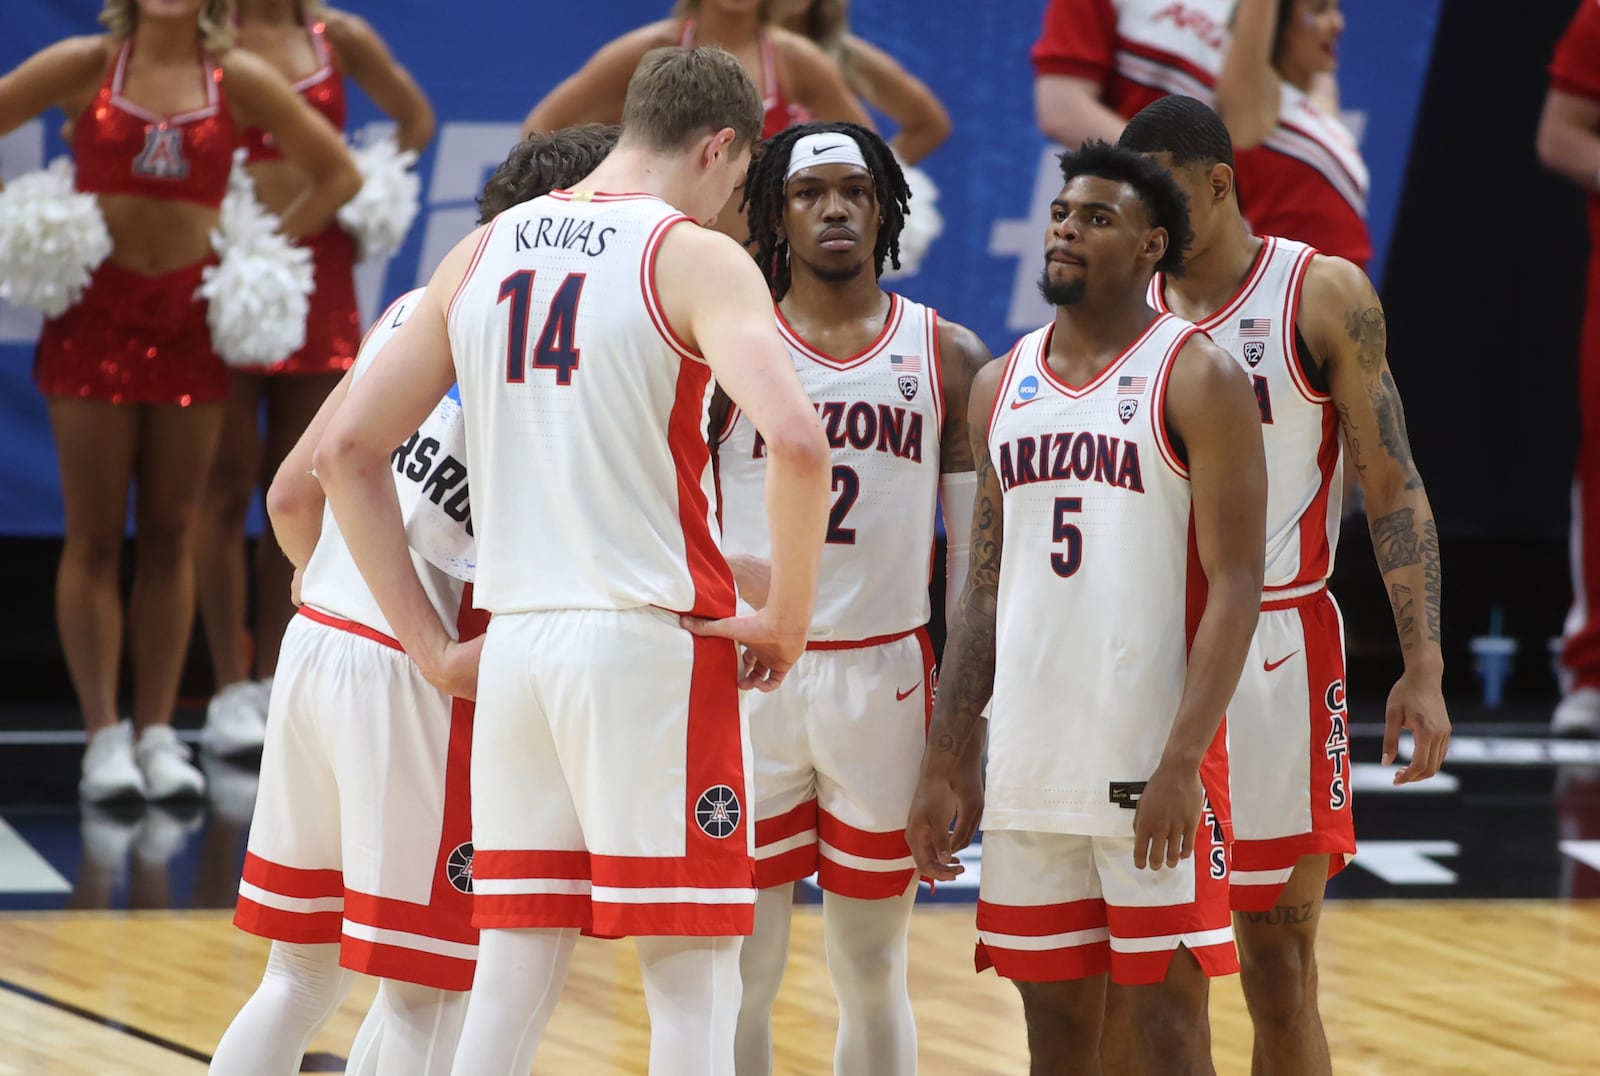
[[1343, 323], [951, 785]]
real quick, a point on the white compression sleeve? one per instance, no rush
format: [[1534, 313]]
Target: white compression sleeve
[[957, 494]]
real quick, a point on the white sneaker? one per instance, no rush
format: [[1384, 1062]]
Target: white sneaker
[[236, 719], [1578, 714], [168, 773], [163, 832], [109, 772]]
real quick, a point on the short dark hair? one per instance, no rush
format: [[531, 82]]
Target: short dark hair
[[764, 196], [543, 163], [678, 94], [1187, 129], [1168, 205]]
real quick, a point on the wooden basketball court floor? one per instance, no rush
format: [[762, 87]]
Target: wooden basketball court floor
[[1414, 987]]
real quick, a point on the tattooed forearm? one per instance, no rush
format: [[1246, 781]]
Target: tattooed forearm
[[1391, 417], [1405, 618], [1395, 540], [1352, 439], [1432, 580], [966, 679], [1370, 332]]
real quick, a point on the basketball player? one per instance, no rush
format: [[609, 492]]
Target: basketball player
[[1120, 465], [610, 771], [836, 746], [373, 893], [1308, 330]]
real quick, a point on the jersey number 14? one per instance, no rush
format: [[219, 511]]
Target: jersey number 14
[[556, 349]]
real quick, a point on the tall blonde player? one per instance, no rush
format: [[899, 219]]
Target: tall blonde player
[[836, 746], [359, 737], [610, 769], [1309, 332]]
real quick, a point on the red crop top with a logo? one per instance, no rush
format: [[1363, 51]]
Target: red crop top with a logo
[[122, 148], [323, 90]]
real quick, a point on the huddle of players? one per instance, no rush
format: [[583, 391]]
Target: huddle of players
[[1119, 449]]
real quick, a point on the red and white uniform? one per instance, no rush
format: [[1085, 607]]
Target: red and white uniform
[[1575, 69], [837, 746], [1308, 180], [362, 830], [1099, 588], [1288, 734], [610, 771], [1137, 51]]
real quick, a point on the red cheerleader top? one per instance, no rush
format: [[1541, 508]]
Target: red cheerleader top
[[323, 90]]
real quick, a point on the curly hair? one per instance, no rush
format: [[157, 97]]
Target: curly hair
[[1168, 205], [119, 17], [542, 163], [764, 197]]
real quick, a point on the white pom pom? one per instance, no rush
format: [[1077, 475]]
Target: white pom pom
[[380, 214], [924, 224], [258, 289], [52, 238]]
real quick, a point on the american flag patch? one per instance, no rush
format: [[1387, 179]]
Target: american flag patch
[[1255, 326], [906, 364], [1131, 386]]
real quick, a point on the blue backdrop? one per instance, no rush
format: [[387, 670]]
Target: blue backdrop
[[487, 62]]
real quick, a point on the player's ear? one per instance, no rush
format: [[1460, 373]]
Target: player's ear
[[1221, 182], [1155, 245], [720, 145]]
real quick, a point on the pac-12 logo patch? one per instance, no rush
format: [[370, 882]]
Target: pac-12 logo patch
[[908, 386], [1126, 409], [1254, 352], [717, 811], [458, 867]]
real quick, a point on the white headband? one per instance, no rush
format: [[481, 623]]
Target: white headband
[[828, 148]]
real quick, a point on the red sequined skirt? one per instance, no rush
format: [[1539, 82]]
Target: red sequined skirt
[[133, 339], [333, 324]]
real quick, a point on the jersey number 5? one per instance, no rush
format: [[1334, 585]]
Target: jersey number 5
[[555, 349], [1068, 563]]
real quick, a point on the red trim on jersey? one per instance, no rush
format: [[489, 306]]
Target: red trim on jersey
[[1149, 968], [1039, 920], [780, 827], [729, 421], [1291, 319], [714, 595], [1079, 392], [350, 626], [1158, 403], [566, 195], [796, 863], [1270, 603], [407, 965], [860, 842], [1007, 371], [936, 369], [292, 881], [1315, 556], [860, 644], [1045, 965], [1247, 287], [426, 920], [891, 323], [715, 746], [652, 297], [301, 928], [472, 267], [568, 865], [930, 677]]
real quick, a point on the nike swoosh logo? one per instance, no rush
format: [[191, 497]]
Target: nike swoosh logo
[[817, 149], [1022, 403], [902, 696], [1269, 666]]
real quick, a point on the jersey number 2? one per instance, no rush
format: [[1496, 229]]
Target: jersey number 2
[[555, 349], [1068, 563], [848, 485]]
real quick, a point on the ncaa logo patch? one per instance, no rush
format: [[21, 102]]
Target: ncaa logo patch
[[1027, 388], [458, 867], [1126, 409], [717, 811], [908, 386], [1254, 352]]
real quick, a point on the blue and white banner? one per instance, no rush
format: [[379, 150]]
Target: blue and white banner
[[485, 63]]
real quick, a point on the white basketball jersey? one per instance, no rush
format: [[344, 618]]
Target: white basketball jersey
[[431, 480], [1097, 580], [585, 415], [1299, 424], [882, 410]]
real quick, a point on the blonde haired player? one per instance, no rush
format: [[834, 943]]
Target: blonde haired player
[[360, 853], [610, 768]]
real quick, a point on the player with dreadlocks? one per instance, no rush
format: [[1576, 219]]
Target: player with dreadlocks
[[836, 746]]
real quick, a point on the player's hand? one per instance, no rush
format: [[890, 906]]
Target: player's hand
[[1167, 818], [456, 672], [769, 648], [753, 577], [294, 586], [944, 815], [1416, 704]]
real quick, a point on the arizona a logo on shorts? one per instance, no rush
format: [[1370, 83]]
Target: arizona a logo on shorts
[[458, 867], [162, 156], [717, 811], [1254, 352], [1126, 409]]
